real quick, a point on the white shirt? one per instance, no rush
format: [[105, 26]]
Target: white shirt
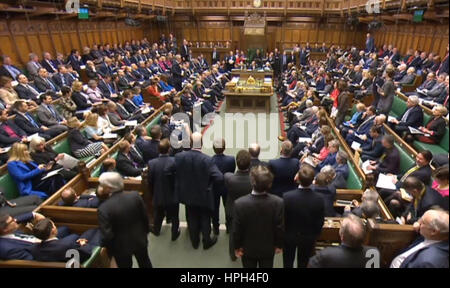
[[397, 262], [258, 193]]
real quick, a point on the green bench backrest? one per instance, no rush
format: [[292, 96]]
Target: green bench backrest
[[353, 180], [426, 118], [406, 160], [62, 146], [444, 141], [399, 106], [96, 172], [9, 187], [155, 121]]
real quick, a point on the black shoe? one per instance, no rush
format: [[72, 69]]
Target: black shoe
[[216, 231], [233, 258], [176, 235], [195, 245], [210, 243], [154, 232]]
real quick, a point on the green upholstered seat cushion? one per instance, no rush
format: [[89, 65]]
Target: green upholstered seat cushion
[[9, 187], [435, 149], [406, 160], [94, 255], [155, 121], [353, 180], [62, 146], [398, 107]]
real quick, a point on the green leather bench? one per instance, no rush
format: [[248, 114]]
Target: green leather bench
[[94, 255], [398, 107], [155, 121], [96, 172], [441, 148], [353, 180], [406, 160], [9, 187], [63, 146]]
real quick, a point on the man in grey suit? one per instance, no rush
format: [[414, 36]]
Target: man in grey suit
[[48, 114], [437, 89], [33, 65], [113, 115], [408, 79], [237, 184]]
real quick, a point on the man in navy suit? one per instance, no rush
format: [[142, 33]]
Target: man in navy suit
[[430, 250], [304, 216], [225, 164], [9, 70], [333, 146], [13, 243], [148, 148], [284, 170], [363, 128], [161, 179], [195, 175], [370, 44], [54, 248], [254, 151], [70, 198], [413, 117]]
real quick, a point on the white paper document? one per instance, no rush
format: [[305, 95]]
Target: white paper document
[[391, 118], [68, 162], [32, 136], [51, 174], [109, 136], [4, 150], [413, 130], [386, 182], [131, 123], [304, 139], [364, 167], [355, 145]]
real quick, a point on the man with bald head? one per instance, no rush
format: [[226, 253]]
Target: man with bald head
[[70, 198], [430, 250], [254, 149], [196, 174], [351, 253], [284, 170]]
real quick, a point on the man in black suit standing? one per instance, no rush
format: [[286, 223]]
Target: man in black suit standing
[[226, 164], [258, 222], [185, 51], [195, 175], [148, 148], [237, 185], [304, 212], [215, 56], [162, 182], [177, 73], [123, 222], [254, 151], [284, 170], [351, 253]]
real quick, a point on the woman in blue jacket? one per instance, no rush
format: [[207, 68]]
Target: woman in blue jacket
[[28, 174]]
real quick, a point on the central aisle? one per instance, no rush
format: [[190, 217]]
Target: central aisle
[[179, 254]]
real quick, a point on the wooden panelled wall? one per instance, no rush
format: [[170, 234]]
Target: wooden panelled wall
[[281, 36], [429, 38], [19, 38]]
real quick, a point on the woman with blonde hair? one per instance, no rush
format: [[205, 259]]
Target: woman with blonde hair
[[80, 98], [7, 93], [80, 146], [93, 131], [28, 174]]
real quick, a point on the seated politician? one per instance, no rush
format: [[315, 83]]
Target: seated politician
[[69, 197]]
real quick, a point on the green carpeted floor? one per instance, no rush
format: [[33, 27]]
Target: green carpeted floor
[[180, 254]]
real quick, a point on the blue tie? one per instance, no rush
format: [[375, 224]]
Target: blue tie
[[53, 112], [51, 84], [31, 120], [13, 71]]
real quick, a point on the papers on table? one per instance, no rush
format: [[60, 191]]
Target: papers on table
[[109, 136], [51, 174], [429, 102], [355, 145], [304, 139], [32, 136], [344, 203], [364, 167], [131, 123], [145, 110], [360, 136], [4, 150], [413, 130], [423, 92], [391, 118], [386, 182], [68, 162], [118, 128]]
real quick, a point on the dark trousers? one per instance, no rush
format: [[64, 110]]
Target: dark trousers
[[141, 254], [215, 216], [171, 212], [304, 246], [199, 221], [24, 205], [255, 263], [231, 246], [49, 185]]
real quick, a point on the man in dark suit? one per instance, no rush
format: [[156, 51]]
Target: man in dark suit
[[148, 148], [14, 244], [258, 222], [430, 249], [123, 112], [48, 64], [9, 70], [284, 170], [304, 216], [10, 133], [323, 188], [123, 222], [237, 185], [25, 90], [351, 253], [226, 164], [125, 166], [177, 73], [185, 51], [254, 150], [215, 56], [395, 57], [370, 44], [389, 162], [70, 198], [413, 117], [54, 249], [106, 87], [162, 182], [374, 149], [196, 174], [43, 82], [362, 129]]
